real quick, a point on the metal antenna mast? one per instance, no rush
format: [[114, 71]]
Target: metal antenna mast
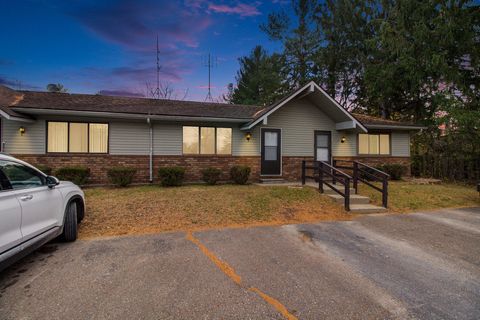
[[210, 64], [157, 90]]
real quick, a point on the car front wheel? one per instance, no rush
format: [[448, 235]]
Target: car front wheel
[[70, 230]]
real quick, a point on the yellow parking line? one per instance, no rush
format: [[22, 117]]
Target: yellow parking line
[[230, 272]]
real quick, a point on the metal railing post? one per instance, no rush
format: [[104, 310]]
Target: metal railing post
[[347, 193], [303, 172], [320, 176], [334, 179], [355, 176], [385, 192]]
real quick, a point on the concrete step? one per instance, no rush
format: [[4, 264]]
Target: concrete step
[[354, 199], [366, 208], [327, 190], [272, 180]]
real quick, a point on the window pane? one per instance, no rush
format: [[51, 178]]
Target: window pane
[[322, 141], [373, 142], [224, 140], [271, 139], [20, 176], [190, 140], [363, 143], [98, 137], [270, 153], [78, 137], [322, 154], [384, 144], [57, 137], [207, 140]]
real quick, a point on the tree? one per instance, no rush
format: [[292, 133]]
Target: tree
[[298, 39], [259, 80], [56, 87], [166, 91]]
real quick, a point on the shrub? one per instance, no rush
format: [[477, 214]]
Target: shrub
[[395, 170], [211, 175], [121, 176], [45, 169], [78, 175], [171, 176], [240, 174]]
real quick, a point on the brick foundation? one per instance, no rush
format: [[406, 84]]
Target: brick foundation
[[375, 161], [99, 164]]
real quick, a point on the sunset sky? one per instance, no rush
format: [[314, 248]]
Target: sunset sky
[[109, 46]]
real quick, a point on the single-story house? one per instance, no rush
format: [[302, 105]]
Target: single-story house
[[60, 129]]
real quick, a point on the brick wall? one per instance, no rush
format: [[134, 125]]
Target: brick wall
[[99, 164], [375, 161]]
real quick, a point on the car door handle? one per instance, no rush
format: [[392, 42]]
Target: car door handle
[[26, 197]]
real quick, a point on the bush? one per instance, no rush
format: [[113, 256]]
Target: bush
[[45, 169], [121, 176], [171, 176], [78, 175], [240, 174], [396, 171], [211, 175]]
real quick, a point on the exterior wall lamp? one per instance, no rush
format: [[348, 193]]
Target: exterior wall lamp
[[343, 139], [248, 136], [22, 131]]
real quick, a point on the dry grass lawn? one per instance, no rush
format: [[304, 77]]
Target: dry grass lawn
[[151, 209], [407, 196]]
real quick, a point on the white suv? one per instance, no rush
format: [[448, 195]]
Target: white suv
[[34, 209]]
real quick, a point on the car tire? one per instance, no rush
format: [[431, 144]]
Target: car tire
[[70, 229]]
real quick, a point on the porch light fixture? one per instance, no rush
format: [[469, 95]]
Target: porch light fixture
[[248, 136], [343, 139], [22, 131]]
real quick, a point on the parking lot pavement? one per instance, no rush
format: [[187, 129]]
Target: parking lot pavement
[[422, 265]]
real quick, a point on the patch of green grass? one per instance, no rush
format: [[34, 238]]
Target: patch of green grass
[[407, 196]]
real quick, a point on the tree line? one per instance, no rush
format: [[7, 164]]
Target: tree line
[[408, 60]]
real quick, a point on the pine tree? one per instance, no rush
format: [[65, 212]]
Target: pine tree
[[259, 80]]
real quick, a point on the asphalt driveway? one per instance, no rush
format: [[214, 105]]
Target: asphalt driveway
[[422, 265]]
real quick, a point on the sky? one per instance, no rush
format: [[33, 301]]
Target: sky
[[109, 47]]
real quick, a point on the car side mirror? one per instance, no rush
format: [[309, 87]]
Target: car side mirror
[[52, 182]]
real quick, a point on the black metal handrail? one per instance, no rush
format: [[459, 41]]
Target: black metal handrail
[[365, 173], [320, 170]]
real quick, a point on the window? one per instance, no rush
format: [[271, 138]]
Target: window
[[207, 140], [20, 176], [374, 144], [77, 137]]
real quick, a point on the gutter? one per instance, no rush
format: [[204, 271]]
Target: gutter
[[121, 115], [150, 162], [394, 127]]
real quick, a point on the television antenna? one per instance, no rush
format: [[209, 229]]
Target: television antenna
[[157, 89], [210, 63]]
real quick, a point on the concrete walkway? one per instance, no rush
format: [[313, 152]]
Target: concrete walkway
[[422, 265]]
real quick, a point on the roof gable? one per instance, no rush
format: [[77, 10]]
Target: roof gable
[[326, 103]]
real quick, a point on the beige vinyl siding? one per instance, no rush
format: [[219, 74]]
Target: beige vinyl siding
[[400, 144], [129, 138], [32, 141], [298, 121], [167, 138], [242, 147]]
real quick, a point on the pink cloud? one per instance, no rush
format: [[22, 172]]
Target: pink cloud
[[242, 9]]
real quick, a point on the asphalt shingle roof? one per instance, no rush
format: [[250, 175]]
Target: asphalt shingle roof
[[114, 104]]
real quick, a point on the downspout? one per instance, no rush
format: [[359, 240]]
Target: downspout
[[150, 165]]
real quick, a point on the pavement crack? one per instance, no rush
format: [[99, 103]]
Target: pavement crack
[[230, 272]]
